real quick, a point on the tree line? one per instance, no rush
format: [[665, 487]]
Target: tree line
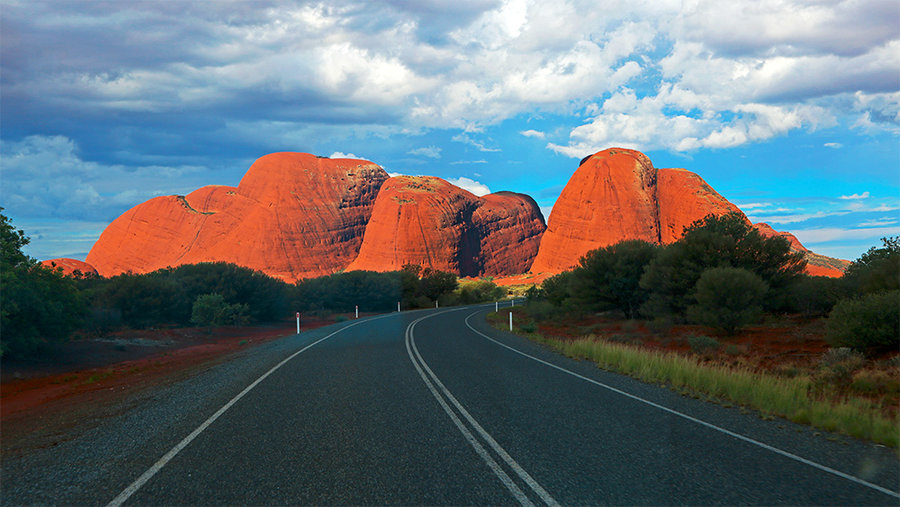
[[40, 307], [723, 273]]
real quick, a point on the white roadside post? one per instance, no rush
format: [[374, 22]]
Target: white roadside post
[[510, 321], [496, 306], [435, 303], [357, 311], [513, 302], [398, 306], [298, 322]]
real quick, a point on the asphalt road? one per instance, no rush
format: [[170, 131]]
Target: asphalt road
[[435, 407]]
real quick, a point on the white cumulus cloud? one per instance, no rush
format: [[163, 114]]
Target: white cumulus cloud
[[471, 185]]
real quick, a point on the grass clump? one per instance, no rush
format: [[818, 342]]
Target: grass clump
[[702, 344], [786, 397]]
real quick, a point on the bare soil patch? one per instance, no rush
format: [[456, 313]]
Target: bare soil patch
[[79, 379]]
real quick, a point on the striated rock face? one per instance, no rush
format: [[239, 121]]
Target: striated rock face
[[617, 194], [684, 198], [509, 227], [427, 221], [152, 235], [70, 266], [610, 198], [417, 220], [294, 215]]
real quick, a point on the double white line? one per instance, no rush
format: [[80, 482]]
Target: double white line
[[461, 417]]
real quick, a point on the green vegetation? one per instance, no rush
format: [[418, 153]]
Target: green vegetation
[[700, 344], [479, 291], [728, 299], [341, 292], [166, 297], [212, 310], [713, 242], [868, 319], [609, 277], [876, 270], [38, 306], [412, 286], [869, 322]]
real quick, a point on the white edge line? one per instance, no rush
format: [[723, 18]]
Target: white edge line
[[161, 462], [698, 421]]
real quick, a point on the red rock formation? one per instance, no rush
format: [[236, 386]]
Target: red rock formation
[[616, 195], [427, 221], [70, 266], [294, 215], [611, 197], [150, 236], [510, 227], [684, 198], [416, 220]]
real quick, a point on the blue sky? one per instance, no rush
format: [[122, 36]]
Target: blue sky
[[791, 110]]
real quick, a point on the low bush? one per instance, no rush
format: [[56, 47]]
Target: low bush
[[660, 325], [702, 344], [814, 296], [871, 322], [212, 310], [836, 369], [728, 298], [541, 311]]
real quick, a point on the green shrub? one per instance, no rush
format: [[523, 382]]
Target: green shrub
[[660, 325], [477, 291], [541, 311], [38, 306], [557, 288], [535, 293], [876, 270], [728, 298], [846, 356], [717, 241], [702, 344], [609, 277], [869, 322], [814, 296], [835, 369], [212, 310]]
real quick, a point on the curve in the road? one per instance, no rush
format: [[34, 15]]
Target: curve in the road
[[442, 395]]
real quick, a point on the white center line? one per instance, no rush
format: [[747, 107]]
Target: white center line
[[417, 359]]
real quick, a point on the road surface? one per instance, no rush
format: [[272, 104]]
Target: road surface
[[436, 407]]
